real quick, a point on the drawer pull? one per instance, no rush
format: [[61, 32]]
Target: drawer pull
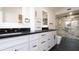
[[44, 50], [43, 34], [16, 50], [34, 46], [48, 39], [43, 42], [54, 37]]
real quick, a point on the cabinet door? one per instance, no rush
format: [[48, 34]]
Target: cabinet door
[[50, 40], [43, 42], [54, 36], [38, 12], [34, 40], [50, 43], [9, 42], [19, 47], [38, 20], [53, 40], [38, 24]]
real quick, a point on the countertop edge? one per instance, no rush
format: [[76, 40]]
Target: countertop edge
[[25, 33]]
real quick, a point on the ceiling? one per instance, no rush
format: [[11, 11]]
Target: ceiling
[[61, 10]]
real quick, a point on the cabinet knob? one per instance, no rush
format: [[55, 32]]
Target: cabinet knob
[[54, 37], [16, 50], [43, 34]]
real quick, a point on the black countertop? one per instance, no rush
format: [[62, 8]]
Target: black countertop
[[8, 35]]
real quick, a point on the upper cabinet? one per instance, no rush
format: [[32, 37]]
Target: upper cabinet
[[38, 19], [1, 15], [44, 18]]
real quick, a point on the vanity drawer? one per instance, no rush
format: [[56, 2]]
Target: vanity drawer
[[50, 44], [35, 37], [43, 47], [44, 34], [9, 42], [19, 47], [34, 46]]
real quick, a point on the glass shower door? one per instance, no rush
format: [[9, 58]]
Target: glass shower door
[[68, 27]]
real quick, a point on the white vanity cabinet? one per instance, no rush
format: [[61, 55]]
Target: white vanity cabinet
[[43, 41], [50, 40], [47, 41], [20, 43], [38, 42], [19, 47], [34, 45], [34, 42]]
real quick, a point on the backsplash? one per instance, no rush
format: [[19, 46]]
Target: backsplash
[[13, 30]]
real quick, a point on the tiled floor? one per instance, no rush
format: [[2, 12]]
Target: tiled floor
[[67, 45]]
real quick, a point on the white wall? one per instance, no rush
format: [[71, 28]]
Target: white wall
[[9, 17], [1, 14]]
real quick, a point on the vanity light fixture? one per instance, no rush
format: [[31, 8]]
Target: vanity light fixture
[[69, 9]]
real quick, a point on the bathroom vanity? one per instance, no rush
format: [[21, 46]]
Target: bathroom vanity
[[27, 41]]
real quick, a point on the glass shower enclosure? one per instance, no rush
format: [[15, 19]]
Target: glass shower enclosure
[[68, 25]]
